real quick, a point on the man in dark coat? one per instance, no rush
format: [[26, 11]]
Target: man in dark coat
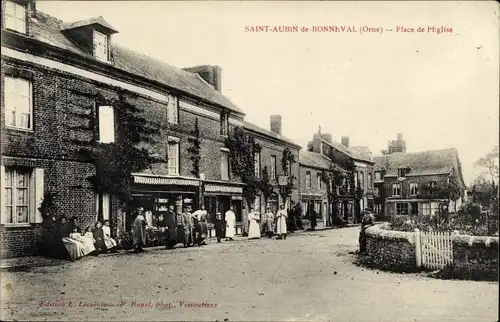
[[170, 228], [367, 221], [313, 217], [219, 224]]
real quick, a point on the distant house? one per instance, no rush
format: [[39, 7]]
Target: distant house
[[418, 183]]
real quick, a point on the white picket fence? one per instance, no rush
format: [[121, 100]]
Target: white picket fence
[[434, 249]]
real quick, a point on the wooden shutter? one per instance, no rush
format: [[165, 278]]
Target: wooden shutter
[[39, 194], [105, 206], [2, 195]]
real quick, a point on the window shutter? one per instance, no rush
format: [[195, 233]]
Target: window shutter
[[2, 196], [96, 206], [39, 194], [105, 206]]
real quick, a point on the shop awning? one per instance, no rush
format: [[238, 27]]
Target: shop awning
[[223, 189], [163, 180]]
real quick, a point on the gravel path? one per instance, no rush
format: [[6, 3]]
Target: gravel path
[[305, 277]]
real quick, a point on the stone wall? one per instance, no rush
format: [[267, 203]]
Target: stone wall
[[390, 250], [475, 257]]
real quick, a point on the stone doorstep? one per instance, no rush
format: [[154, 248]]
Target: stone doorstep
[[37, 261]]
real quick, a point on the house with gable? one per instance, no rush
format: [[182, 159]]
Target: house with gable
[[418, 183]]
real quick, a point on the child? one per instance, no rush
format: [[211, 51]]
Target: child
[[111, 244], [89, 240]]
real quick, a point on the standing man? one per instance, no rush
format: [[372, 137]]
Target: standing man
[[219, 226], [170, 229], [201, 217], [187, 223], [281, 217], [313, 217], [367, 221], [230, 223]]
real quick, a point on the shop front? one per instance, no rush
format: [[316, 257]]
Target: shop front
[[319, 204], [156, 193], [218, 197]]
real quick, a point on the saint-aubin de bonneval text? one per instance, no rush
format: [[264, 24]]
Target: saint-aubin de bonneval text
[[348, 29]]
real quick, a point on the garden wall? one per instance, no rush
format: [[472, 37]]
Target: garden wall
[[475, 257], [390, 250]]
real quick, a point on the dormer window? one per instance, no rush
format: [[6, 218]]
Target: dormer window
[[15, 17], [100, 46], [402, 172]]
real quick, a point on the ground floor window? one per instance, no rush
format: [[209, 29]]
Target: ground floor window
[[430, 208], [402, 208]]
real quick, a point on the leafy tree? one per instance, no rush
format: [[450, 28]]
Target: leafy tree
[[242, 148], [353, 188], [195, 149], [490, 162], [287, 161], [334, 178], [129, 153]]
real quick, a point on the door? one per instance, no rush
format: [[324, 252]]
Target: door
[[273, 203]]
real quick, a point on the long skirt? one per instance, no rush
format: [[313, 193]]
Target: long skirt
[[281, 226], [74, 248], [109, 242], [254, 229], [171, 237], [230, 231], [88, 246], [362, 241]]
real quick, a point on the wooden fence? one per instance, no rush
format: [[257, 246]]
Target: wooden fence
[[434, 249]]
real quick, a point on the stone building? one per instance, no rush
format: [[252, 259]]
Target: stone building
[[60, 82], [418, 183], [323, 144]]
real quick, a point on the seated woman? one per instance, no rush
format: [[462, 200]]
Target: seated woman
[[73, 247], [88, 240], [108, 241], [98, 234]]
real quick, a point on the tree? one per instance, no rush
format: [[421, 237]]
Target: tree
[[242, 149], [334, 178], [490, 162], [265, 185], [353, 187], [287, 161], [130, 152], [195, 149]]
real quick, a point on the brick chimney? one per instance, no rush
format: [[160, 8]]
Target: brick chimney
[[345, 141], [212, 74], [276, 124]]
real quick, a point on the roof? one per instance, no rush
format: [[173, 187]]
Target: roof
[[47, 29], [87, 22], [432, 162], [361, 152], [355, 154], [269, 133], [313, 159]]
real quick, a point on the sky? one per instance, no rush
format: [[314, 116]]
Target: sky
[[438, 90]]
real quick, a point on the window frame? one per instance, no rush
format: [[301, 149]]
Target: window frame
[[112, 134], [14, 81], [308, 180], [225, 153], [398, 209], [173, 109], [96, 35], [398, 187], [378, 175], [361, 179], [319, 181], [224, 123], [29, 188], [273, 174], [256, 161], [413, 189], [370, 180], [13, 17], [174, 141]]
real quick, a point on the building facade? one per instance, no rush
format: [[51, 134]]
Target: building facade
[[418, 183], [61, 85]]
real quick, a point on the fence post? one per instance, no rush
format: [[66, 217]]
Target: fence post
[[418, 251]]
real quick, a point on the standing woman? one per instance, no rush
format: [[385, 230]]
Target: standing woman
[[281, 217], [254, 228], [139, 230], [269, 217], [230, 223]]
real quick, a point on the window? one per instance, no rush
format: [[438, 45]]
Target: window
[[378, 175], [106, 121], [173, 110], [100, 46], [308, 180], [103, 204], [402, 208], [396, 189], [319, 181], [257, 164], [224, 165], [430, 208], [17, 196], [273, 167], [173, 156], [224, 123], [18, 103], [289, 168], [362, 179], [370, 180], [413, 189], [402, 172], [15, 17]]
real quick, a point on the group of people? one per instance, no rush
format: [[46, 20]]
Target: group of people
[[271, 223], [64, 238]]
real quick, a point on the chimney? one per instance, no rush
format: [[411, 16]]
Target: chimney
[[211, 74], [345, 141], [276, 124], [400, 137]]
